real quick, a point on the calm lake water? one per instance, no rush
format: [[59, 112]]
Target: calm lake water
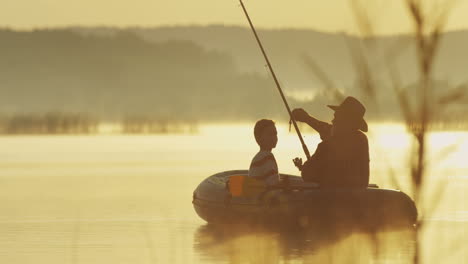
[[127, 199]]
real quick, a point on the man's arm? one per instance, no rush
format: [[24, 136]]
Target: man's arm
[[301, 115], [323, 128]]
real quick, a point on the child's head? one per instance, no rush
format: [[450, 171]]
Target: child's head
[[265, 134]]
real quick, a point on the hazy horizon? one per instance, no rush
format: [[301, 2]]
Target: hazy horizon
[[330, 16], [194, 25]]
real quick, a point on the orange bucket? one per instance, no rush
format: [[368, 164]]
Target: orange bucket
[[236, 183]]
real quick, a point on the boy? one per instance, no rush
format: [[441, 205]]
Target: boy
[[263, 166]]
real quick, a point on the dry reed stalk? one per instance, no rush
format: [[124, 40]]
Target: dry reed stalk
[[418, 115]]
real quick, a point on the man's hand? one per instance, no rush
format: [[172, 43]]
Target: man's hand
[[298, 163], [300, 115]]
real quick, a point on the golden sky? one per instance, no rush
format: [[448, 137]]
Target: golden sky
[[324, 15]]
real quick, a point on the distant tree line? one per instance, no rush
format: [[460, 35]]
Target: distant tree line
[[145, 125], [76, 123], [51, 123], [120, 75], [123, 75]]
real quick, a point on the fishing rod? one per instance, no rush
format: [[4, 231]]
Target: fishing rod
[[304, 147]]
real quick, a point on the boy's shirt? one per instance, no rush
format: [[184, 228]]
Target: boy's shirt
[[264, 167]]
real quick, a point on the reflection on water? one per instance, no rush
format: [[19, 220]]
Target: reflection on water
[[320, 245], [127, 199]]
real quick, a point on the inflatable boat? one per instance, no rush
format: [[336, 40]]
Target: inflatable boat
[[302, 204]]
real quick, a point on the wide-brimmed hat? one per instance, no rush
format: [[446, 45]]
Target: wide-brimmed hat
[[354, 110]]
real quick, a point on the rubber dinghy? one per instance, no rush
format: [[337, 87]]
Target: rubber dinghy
[[303, 204]]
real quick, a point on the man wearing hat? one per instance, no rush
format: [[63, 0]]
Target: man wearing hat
[[342, 158]]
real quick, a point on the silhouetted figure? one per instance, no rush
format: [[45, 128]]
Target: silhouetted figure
[[263, 166], [342, 158]]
